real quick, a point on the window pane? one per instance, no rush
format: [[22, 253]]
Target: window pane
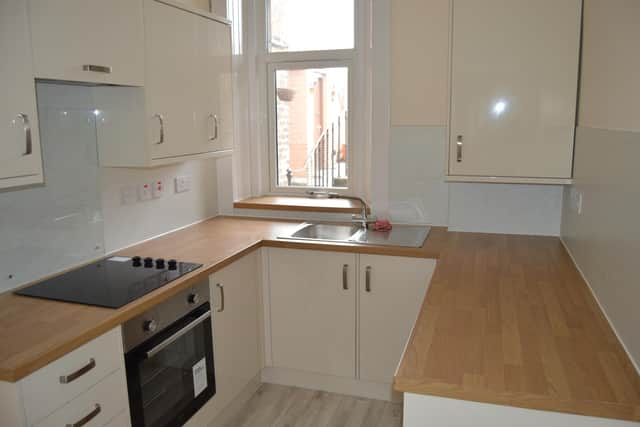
[[300, 25], [311, 124]]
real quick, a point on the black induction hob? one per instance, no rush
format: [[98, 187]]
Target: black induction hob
[[111, 282]]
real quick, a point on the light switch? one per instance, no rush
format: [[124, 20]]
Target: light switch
[[183, 183], [145, 192], [158, 189]]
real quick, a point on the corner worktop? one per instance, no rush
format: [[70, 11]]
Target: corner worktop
[[509, 320], [34, 332]]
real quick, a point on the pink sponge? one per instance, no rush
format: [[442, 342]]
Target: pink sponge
[[382, 225]]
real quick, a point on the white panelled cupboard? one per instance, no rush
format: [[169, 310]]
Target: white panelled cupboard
[[513, 90], [184, 110], [341, 315], [98, 41], [20, 156]]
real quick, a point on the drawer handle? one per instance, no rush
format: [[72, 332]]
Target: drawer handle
[[97, 68], [367, 279], [91, 415], [66, 379]]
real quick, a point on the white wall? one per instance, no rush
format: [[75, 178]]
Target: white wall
[[604, 236], [78, 215]]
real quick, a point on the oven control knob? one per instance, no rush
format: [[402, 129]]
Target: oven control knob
[[193, 298], [150, 325]]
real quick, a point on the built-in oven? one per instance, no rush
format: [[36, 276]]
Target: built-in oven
[[169, 360]]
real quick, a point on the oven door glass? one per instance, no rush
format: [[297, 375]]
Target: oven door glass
[[171, 376]]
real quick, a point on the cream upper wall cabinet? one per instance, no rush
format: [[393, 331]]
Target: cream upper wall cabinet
[[514, 86], [20, 156], [98, 41], [312, 306], [392, 290], [185, 109]]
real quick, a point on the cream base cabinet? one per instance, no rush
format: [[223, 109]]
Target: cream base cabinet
[[513, 89], [20, 155], [237, 334], [312, 308], [98, 41], [391, 293]]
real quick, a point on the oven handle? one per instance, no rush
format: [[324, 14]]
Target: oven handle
[[158, 348]]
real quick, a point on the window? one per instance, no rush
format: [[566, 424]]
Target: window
[[310, 55]]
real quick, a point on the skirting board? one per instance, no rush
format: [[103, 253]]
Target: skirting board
[[331, 384]]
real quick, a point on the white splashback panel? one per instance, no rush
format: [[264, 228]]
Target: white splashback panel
[[48, 228]]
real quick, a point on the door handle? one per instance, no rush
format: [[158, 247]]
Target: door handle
[[105, 69], [161, 120], [214, 117], [345, 277], [173, 338], [66, 379], [221, 287], [27, 133], [367, 279], [459, 143], [84, 420]]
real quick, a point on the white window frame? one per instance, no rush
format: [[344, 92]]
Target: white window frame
[[353, 60]]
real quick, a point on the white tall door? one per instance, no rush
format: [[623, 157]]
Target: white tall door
[[236, 330], [69, 34], [20, 161], [514, 87], [392, 290], [313, 311], [214, 123], [172, 52]]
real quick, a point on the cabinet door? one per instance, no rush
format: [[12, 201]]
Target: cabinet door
[[313, 311], [392, 290], [214, 122], [71, 35], [170, 88], [514, 87], [236, 329], [20, 156]]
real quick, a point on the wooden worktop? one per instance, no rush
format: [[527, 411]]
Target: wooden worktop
[[35, 332], [509, 320], [300, 204]]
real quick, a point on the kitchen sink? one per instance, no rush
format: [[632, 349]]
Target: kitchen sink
[[412, 236]]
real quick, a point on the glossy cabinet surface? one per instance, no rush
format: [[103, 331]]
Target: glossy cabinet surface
[[20, 155], [98, 41], [392, 290], [514, 88], [236, 330], [312, 314]]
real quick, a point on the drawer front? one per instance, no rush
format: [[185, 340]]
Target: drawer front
[[122, 420], [96, 407], [44, 391]]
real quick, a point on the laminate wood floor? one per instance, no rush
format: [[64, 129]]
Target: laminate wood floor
[[280, 406]]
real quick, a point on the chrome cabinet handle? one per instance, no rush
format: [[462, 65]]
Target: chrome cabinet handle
[[459, 142], [91, 415], [221, 287], [27, 133], [367, 279], [345, 277], [215, 127], [97, 68], [66, 379], [161, 120]]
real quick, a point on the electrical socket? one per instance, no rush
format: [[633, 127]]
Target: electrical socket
[[183, 183], [144, 192], [158, 189]]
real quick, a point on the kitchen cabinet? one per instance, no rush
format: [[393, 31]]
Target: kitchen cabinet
[[185, 109], [20, 155], [312, 305], [87, 383], [513, 90], [391, 291], [97, 41]]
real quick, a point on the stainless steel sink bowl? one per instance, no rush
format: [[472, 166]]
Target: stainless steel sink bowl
[[329, 232], [411, 236]]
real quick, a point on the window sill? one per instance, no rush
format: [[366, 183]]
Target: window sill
[[299, 204]]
